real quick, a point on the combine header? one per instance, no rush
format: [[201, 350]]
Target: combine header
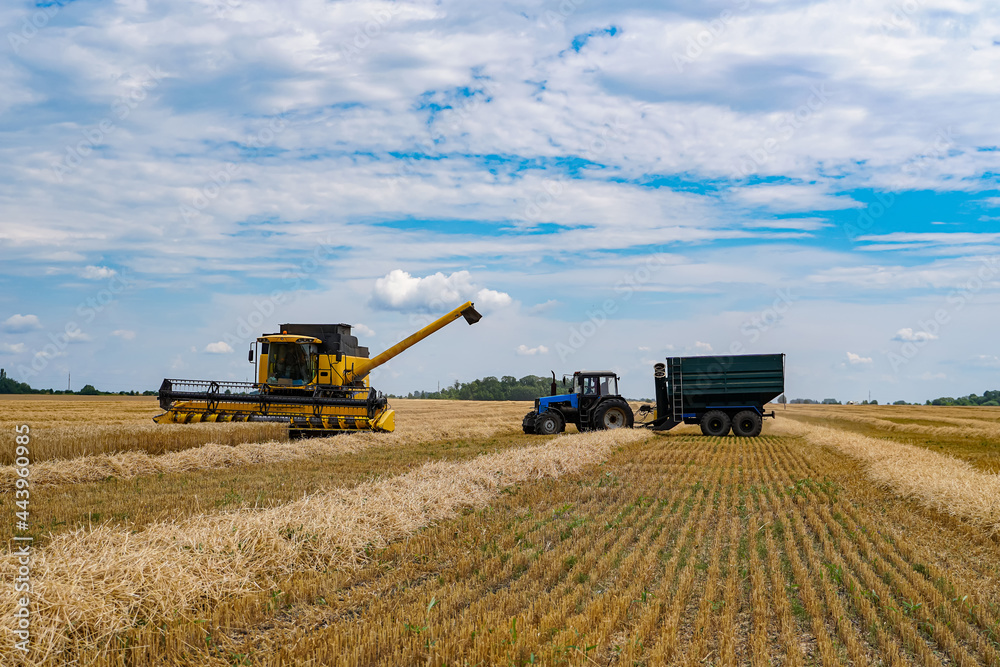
[[313, 377]]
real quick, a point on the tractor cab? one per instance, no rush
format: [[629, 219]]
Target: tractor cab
[[595, 383]]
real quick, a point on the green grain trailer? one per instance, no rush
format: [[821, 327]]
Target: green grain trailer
[[719, 393]]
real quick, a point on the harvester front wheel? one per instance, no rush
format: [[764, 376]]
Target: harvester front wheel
[[528, 423], [614, 414], [549, 422], [715, 423], [747, 424]]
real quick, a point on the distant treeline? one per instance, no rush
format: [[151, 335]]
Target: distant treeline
[[11, 386], [990, 398], [507, 388]]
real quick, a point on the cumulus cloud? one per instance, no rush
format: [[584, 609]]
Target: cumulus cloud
[[221, 347], [526, 351], [11, 348], [362, 329], [124, 334], [908, 335], [857, 359], [398, 290], [21, 323], [97, 272], [703, 347]]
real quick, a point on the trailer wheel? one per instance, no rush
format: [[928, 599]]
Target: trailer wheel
[[528, 423], [613, 414], [715, 423], [549, 422], [747, 424]]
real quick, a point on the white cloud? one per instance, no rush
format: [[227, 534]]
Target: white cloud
[[97, 272], [221, 347], [933, 376], [362, 329], [436, 293], [540, 308], [908, 335], [856, 359], [21, 323], [488, 299], [703, 347], [987, 361], [77, 336], [526, 351], [124, 334], [801, 224], [793, 198], [11, 348]]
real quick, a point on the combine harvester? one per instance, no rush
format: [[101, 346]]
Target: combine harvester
[[313, 377], [718, 393]]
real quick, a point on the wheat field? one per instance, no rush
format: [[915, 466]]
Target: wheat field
[[458, 540]]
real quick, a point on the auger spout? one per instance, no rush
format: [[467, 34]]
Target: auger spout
[[466, 310]]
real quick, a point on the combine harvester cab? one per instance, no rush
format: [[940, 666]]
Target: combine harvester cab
[[718, 393], [314, 377]]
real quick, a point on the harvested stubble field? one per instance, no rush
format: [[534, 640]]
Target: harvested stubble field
[[460, 541]]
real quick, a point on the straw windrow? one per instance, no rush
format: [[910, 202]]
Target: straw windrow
[[129, 464], [938, 481], [93, 583]]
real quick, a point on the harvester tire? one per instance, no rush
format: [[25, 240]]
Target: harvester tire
[[613, 414], [747, 424], [528, 423], [549, 422], [715, 423]]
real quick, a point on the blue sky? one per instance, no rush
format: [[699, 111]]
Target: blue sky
[[611, 183]]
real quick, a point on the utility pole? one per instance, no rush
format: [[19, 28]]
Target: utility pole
[[69, 381]]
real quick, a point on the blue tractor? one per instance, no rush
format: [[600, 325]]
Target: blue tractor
[[593, 404]]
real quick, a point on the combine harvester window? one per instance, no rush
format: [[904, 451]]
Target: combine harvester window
[[290, 363]]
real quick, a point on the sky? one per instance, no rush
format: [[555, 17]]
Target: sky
[[612, 183]]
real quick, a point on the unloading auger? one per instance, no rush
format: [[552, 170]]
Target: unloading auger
[[313, 377]]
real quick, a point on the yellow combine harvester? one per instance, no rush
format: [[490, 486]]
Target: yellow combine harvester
[[314, 377]]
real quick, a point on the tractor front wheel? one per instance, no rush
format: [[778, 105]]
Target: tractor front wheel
[[613, 414], [549, 422], [528, 423]]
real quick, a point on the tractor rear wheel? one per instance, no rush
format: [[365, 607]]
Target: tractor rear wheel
[[549, 422], [528, 423], [715, 423], [747, 424], [614, 413]]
